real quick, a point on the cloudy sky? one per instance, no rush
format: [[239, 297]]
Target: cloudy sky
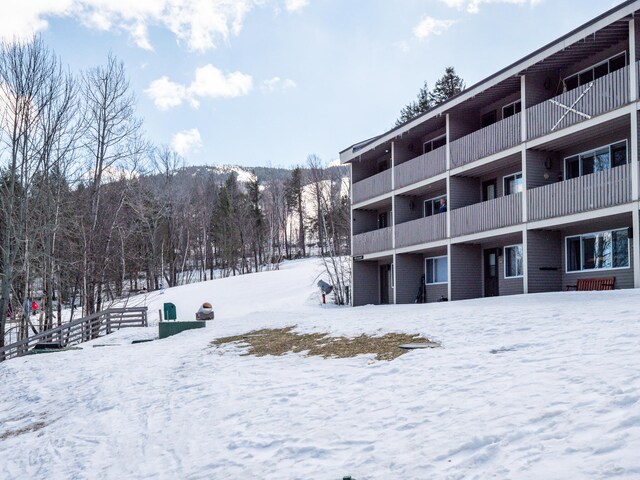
[[268, 82]]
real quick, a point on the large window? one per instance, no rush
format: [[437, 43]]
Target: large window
[[432, 206], [512, 183], [437, 271], [598, 251], [597, 160], [511, 109], [433, 144], [513, 265], [599, 70]]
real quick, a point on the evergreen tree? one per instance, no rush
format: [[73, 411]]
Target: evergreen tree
[[449, 85], [417, 107]]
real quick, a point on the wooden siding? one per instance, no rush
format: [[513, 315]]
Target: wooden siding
[[409, 271], [605, 94], [589, 192], [427, 229], [365, 283], [497, 213], [420, 168], [466, 272], [435, 292], [486, 141], [544, 261], [371, 187], [464, 191], [372, 242]]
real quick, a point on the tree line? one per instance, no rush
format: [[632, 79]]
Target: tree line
[[91, 211]]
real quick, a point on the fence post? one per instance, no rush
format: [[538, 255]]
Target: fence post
[[108, 322]]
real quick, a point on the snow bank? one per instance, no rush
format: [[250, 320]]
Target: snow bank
[[527, 387]]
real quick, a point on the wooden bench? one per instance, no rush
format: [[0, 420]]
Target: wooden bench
[[588, 284]]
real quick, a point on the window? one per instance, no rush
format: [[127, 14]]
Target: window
[[437, 270], [511, 109], [512, 183], [598, 251], [432, 206], [513, 266], [603, 158], [433, 144], [596, 71]]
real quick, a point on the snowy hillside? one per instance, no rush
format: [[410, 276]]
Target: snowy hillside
[[528, 387]]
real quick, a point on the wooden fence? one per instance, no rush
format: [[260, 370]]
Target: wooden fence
[[80, 330]]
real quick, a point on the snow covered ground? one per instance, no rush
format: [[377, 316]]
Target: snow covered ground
[[528, 387]]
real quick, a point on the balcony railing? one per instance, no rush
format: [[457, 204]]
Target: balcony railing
[[582, 103], [371, 187], [372, 242], [420, 168], [427, 229], [589, 192], [486, 141], [497, 213]]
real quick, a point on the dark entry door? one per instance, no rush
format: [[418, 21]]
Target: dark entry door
[[491, 273], [489, 190], [385, 282]]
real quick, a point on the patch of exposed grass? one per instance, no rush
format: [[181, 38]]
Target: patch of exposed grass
[[284, 340], [19, 431]]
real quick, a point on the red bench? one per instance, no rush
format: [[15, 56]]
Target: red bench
[[588, 284]]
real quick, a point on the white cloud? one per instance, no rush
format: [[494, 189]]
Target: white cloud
[[276, 83], [431, 26], [295, 5], [209, 82], [473, 6], [201, 24], [186, 141]]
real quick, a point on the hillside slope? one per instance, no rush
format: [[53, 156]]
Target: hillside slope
[[527, 387]]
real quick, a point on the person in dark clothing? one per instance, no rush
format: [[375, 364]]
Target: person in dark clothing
[[443, 205]]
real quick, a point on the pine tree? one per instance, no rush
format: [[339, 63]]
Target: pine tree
[[449, 85], [417, 107]]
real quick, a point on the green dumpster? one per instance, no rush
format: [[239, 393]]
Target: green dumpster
[[170, 311], [167, 329]]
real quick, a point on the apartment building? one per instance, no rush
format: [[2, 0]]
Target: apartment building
[[537, 166]]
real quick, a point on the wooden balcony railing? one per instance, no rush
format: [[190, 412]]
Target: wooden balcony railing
[[373, 242], [600, 96], [371, 187], [496, 213], [422, 230], [486, 141], [598, 190], [420, 168]]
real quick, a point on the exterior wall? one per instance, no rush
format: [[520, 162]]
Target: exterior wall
[[431, 136], [541, 87], [497, 106], [506, 286], [536, 168], [407, 209], [624, 276], [461, 125], [466, 272], [499, 175], [592, 60], [366, 169], [365, 283], [435, 292], [364, 221], [409, 271], [464, 191], [544, 261]]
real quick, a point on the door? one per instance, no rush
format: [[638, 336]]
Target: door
[[383, 220], [491, 272], [385, 283], [489, 190]]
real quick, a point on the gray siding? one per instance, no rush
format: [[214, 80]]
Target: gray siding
[[541, 87], [499, 176], [536, 168], [461, 125], [420, 168], [624, 276], [506, 286], [368, 168], [544, 254], [371, 187], [409, 271], [435, 292], [364, 221], [464, 191], [598, 57], [427, 229], [466, 272], [372, 242], [365, 283]]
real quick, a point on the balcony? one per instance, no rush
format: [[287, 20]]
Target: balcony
[[486, 141], [496, 213], [371, 187], [580, 104], [422, 230], [420, 168], [372, 242], [598, 190]]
